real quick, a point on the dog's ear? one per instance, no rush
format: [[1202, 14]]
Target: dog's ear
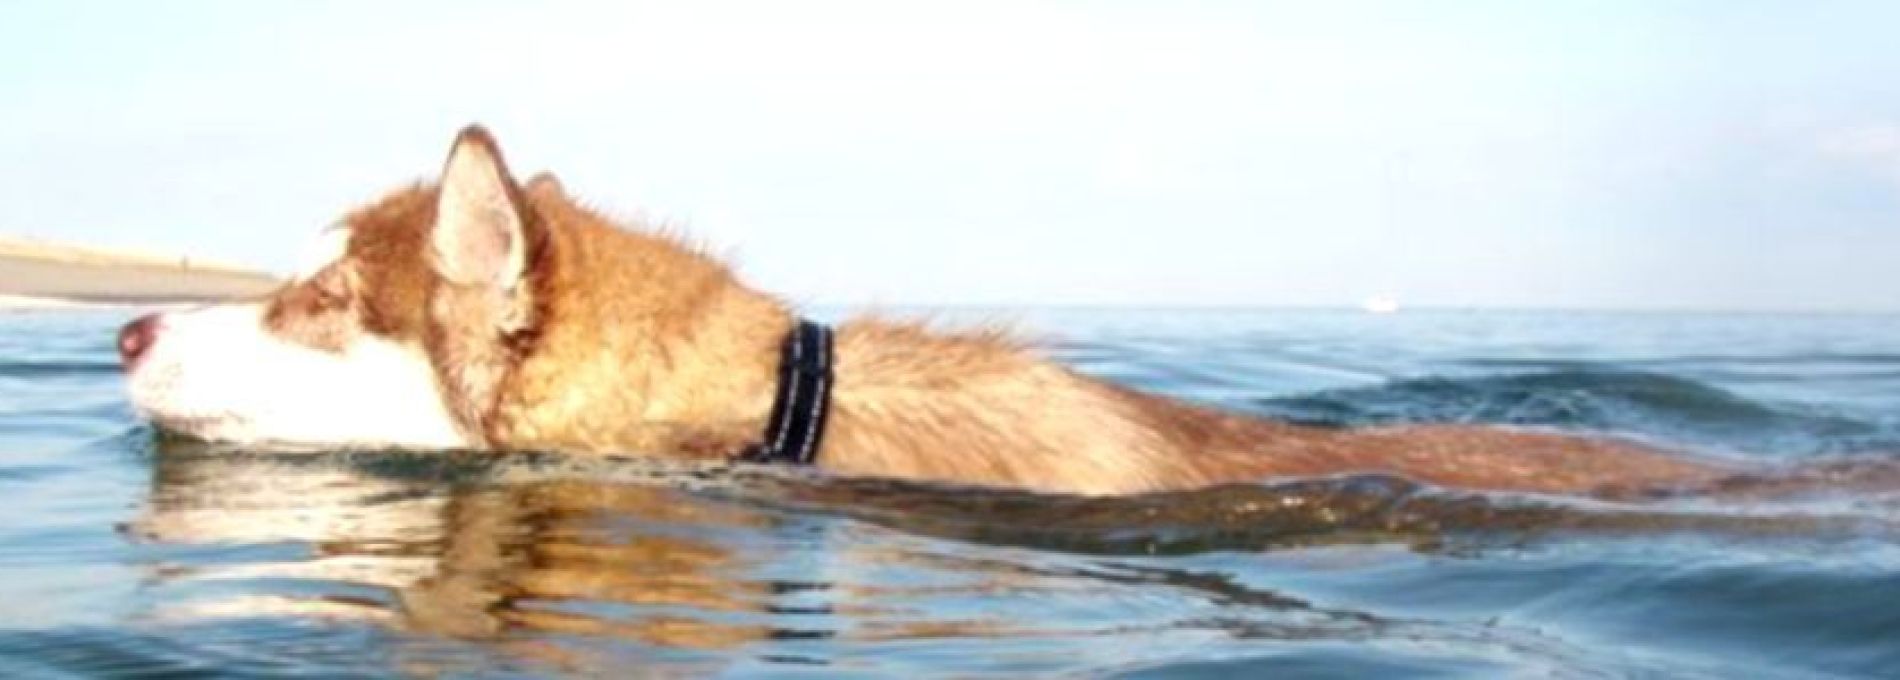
[[478, 238], [545, 184]]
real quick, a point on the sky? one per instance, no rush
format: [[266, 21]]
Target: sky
[[1640, 155]]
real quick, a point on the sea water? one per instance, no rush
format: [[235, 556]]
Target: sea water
[[127, 553]]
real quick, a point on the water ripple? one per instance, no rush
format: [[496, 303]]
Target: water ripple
[[125, 553]]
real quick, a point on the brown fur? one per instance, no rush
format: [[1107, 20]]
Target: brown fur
[[319, 313], [625, 341]]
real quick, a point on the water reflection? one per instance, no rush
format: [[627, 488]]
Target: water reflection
[[592, 564], [476, 560], [537, 558]]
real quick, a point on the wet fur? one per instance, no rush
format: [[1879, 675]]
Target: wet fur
[[622, 340]]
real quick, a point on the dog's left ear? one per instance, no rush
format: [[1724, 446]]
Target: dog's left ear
[[478, 238], [545, 184]]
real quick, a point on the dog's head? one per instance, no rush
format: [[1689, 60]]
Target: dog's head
[[397, 335]]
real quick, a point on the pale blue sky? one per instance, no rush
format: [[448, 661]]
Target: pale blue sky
[[1644, 154]]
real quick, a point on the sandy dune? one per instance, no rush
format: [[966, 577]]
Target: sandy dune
[[41, 275]]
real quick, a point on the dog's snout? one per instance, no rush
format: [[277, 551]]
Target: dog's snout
[[136, 338]]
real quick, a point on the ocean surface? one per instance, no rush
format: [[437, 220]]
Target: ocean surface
[[128, 554]]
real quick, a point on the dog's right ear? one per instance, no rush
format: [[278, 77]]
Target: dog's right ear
[[478, 238]]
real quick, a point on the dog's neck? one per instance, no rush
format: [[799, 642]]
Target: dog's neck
[[644, 346], [647, 347]]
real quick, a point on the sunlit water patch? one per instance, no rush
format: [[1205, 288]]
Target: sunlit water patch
[[126, 553]]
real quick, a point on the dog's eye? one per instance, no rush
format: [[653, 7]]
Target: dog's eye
[[331, 287]]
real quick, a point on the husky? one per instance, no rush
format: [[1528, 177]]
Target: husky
[[479, 312]]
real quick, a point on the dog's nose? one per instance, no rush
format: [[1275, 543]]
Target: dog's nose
[[136, 338]]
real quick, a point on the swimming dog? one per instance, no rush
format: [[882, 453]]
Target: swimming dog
[[479, 312]]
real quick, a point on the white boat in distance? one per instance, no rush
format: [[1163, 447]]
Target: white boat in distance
[[1380, 304]]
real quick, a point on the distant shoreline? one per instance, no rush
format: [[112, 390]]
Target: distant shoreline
[[27, 303], [52, 277], [45, 251], [30, 303]]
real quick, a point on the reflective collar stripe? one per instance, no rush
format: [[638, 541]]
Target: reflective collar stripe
[[797, 425]]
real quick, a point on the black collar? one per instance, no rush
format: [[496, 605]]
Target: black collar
[[797, 423]]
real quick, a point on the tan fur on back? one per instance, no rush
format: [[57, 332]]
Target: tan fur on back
[[624, 341]]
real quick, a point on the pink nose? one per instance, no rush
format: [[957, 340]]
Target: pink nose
[[136, 338]]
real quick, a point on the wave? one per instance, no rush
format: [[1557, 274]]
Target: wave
[[1351, 509], [59, 368], [1777, 360], [1593, 399]]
